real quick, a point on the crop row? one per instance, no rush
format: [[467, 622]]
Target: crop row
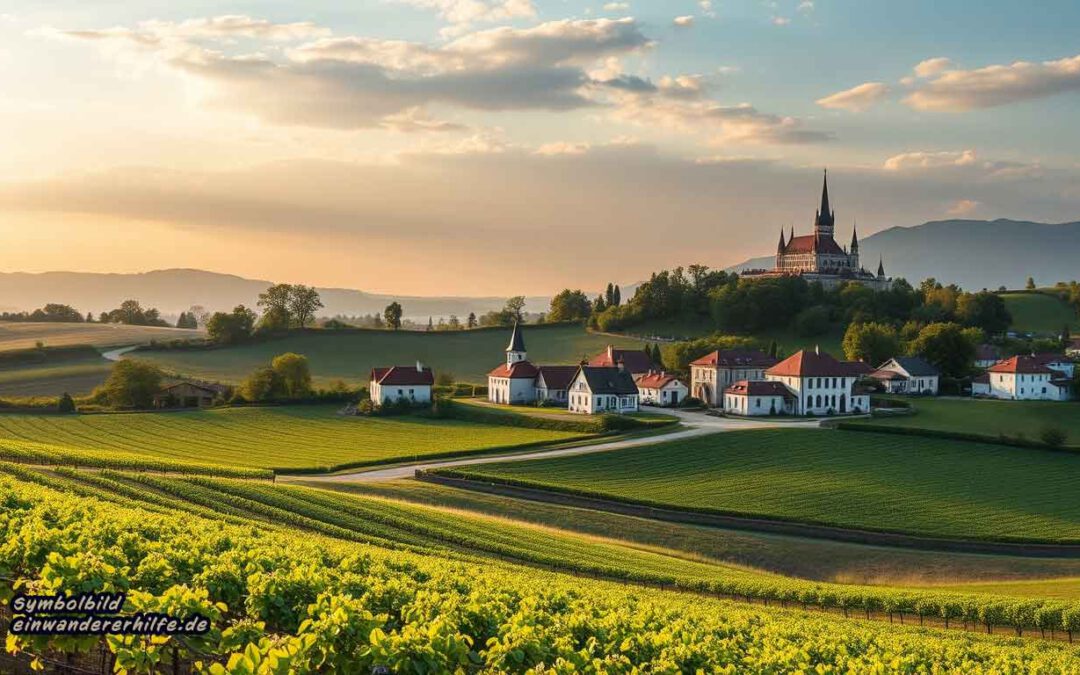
[[281, 603]]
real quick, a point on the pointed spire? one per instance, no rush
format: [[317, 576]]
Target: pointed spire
[[825, 210], [780, 248], [792, 234], [854, 237], [881, 266], [517, 342]]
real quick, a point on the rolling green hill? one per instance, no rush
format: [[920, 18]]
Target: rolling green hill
[[1040, 313], [26, 334], [844, 478], [350, 355]]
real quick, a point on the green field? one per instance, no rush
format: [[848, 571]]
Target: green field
[[76, 376], [301, 437], [989, 418], [844, 478], [1040, 313], [350, 355], [25, 335]]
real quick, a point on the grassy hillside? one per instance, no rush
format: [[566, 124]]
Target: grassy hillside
[[850, 479], [1040, 313], [469, 355], [989, 418], [282, 437], [52, 378], [25, 335]]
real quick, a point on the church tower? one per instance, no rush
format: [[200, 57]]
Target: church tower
[[853, 251], [825, 217], [515, 351]]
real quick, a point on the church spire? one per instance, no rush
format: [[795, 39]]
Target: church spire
[[515, 351], [854, 237], [780, 248], [823, 222], [881, 267], [825, 194]]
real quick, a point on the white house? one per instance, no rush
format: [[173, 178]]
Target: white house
[[602, 389], [757, 397], [712, 373], [820, 384], [410, 383], [660, 388], [908, 375], [513, 382], [1056, 362], [552, 383], [1024, 378]]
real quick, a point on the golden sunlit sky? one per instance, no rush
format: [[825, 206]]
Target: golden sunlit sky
[[496, 147]]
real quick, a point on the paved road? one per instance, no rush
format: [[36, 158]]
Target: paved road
[[694, 424]]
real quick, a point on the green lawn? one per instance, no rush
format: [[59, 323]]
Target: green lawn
[[468, 355], [280, 437], [990, 418], [845, 478], [1040, 313]]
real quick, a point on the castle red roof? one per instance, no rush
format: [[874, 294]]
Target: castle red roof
[[520, 370], [815, 364], [758, 388], [805, 244], [634, 360], [1023, 365], [735, 358], [655, 380], [403, 376]]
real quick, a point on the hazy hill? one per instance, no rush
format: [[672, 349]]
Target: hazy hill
[[972, 253], [174, 290]]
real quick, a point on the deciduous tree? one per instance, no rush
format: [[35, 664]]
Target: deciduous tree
[[392, 314]]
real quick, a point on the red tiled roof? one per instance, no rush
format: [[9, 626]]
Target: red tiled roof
[[1026, 365], [403, 375], [735, 358], [634, 360], [758, 388], [814, 364], [655, 380], [520, 370], [805, 244], [558, 377]]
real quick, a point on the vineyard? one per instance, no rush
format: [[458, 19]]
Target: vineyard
[[283, 603], [286, 438], [844, 478]]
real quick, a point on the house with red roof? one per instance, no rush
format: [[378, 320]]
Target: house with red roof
[[712, 373], [1027, 378], [657, 387], [758, 397], [821, 384], [394, 383], [514, 381], [635, 361]]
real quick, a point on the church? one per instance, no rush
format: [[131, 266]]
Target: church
[[817, 256]]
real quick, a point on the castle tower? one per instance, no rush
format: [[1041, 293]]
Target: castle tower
[[853, 251], [515, 351], [825, 217], [881, 269], [780, 250]]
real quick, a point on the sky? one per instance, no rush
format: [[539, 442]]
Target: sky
[[504, 147]]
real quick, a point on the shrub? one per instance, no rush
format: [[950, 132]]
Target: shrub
[[66, 404], [1052, 437], [131, 384]]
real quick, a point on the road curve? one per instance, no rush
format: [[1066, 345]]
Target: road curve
[[694, 424]]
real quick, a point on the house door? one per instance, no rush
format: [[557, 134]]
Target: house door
[[843, 403]]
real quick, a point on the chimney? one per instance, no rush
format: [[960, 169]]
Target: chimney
[[817, 349], [419, 366], [620, 365], [611, 353]]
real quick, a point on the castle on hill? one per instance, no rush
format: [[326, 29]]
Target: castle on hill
[[817, 256]]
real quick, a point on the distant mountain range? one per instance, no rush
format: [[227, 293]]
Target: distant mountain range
[[974, 254], [175, 290]]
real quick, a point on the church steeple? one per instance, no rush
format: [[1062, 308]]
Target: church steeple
[[881, 267], [825, 217], [515, 351], [780, 248], [854, 238]]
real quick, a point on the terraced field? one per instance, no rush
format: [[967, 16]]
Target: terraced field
[[287, 438], [844, 478]]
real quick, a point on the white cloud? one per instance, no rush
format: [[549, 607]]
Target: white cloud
[[562, 148], [780, 21], [707, 8], [684, 21], [947, 89], [616, 6], [931, 67], [856, 99], [963, 207], [929, 160], [466, 12], [965, 163], [806, 6]]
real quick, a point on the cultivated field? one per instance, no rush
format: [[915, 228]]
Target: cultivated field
[[1040, 313], [288, 438], [350, 355], [989, 418], [75, 376], [25, 335], [844, 478]]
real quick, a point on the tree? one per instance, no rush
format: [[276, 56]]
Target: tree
[[303, 302], [66, 405], [187, 320], [616, 296], [430, 325], [444, 379], [599, 305], [293, 374], [56, 312], [261, 385], [130, 312], [471, 321], [276, 298], [948, 346], [515, 307], [609, 295], [812, 321], [1030, 285], [773, 349], [873, 343], [200, 314], [232, 327], [131, 384], [984, 310], [392, 314], [568, 305], [89, 317]]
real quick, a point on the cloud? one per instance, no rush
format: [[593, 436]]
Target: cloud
[[780, 21], [683, 21], [467, 12], [805, 6], [929, 160], [963, 207], [562, 148], [616, 6], [856, 99], [356, 82], [931, 67], [966, 163], [707, 8], [948, 89], [157, 34]]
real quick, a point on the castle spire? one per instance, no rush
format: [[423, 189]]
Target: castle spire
[[780, 248], [825, 217], [825, 210], [881, 267]]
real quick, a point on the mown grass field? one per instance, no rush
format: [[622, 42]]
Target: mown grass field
[[1040, 313], [989, 418], [844, 478], [25, 335], [468, 355], [75, 376], [288, 438]]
